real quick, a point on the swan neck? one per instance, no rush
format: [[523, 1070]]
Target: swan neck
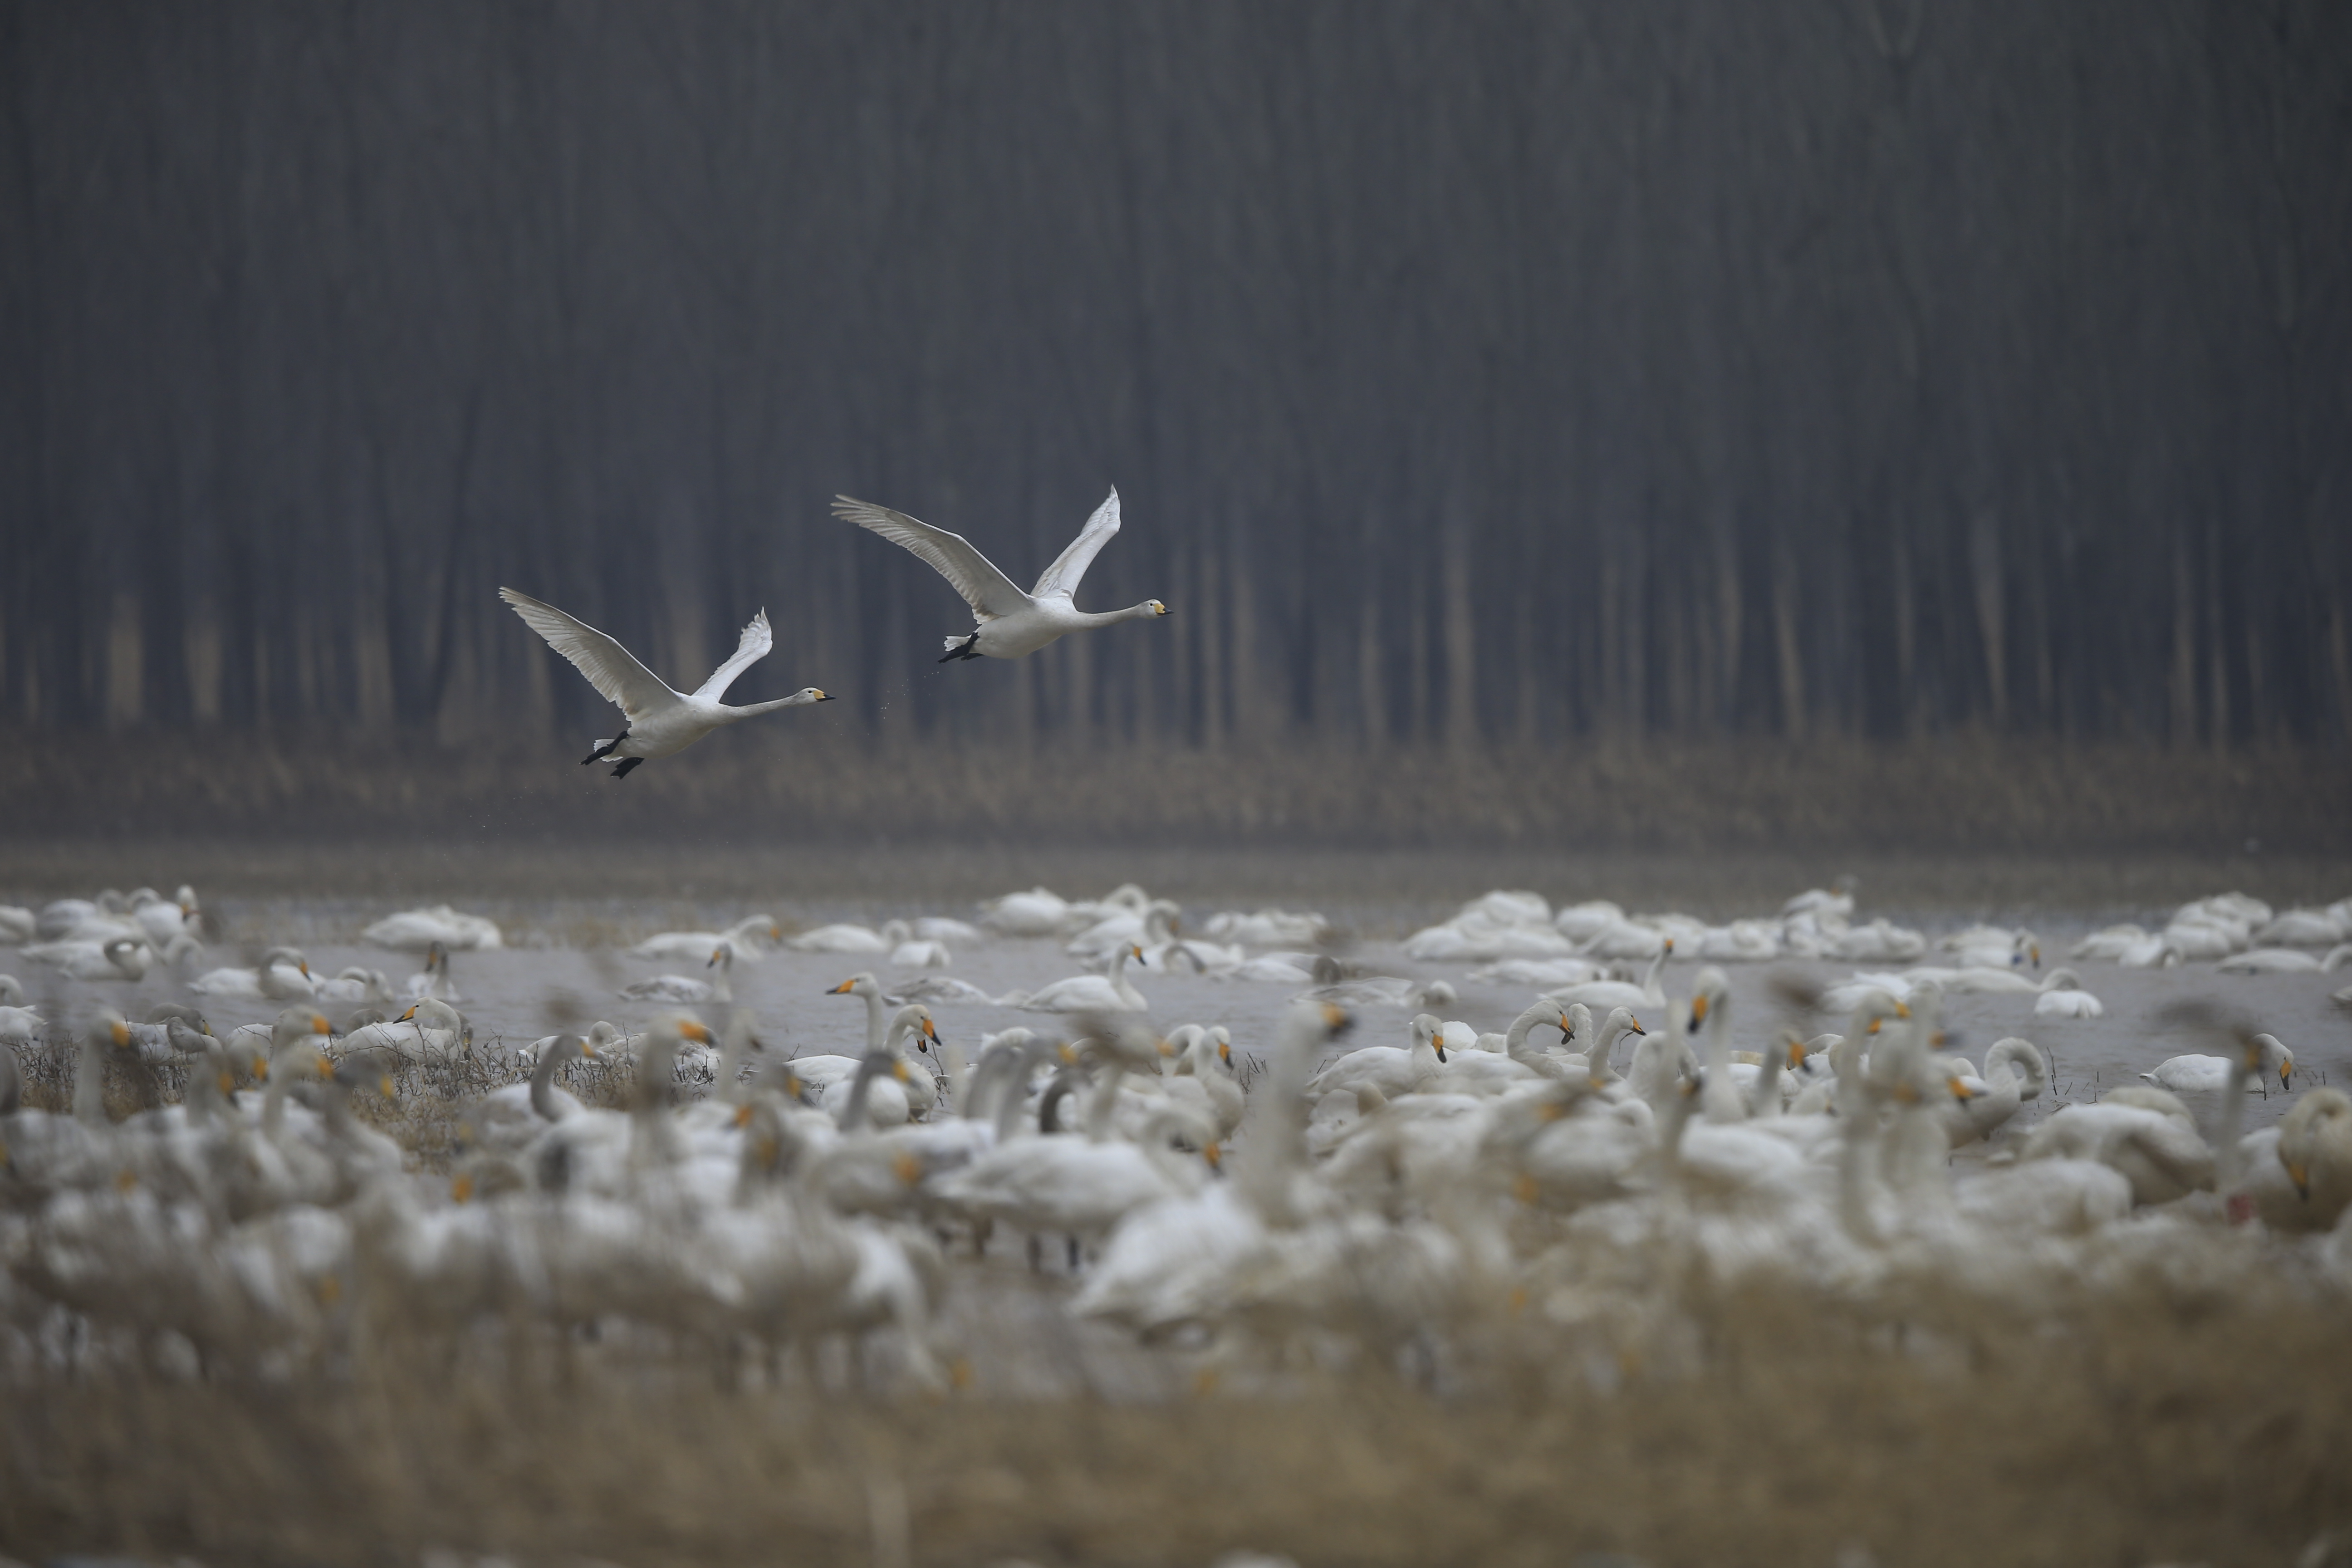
[[1102, 1109], [861, 1089], [543, 1083]]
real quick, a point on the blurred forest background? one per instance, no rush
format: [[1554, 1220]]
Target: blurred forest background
[[1705, 419]]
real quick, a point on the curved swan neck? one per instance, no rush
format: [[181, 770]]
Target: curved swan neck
[[542, 1076]]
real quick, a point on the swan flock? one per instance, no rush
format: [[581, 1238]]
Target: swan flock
[[770, 1150]]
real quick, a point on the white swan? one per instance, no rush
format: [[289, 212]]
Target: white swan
[[1880, 942], [1603, 994], [434, 979], [1011, 623], [1394, 1070], [2013, 1073], [1088, 993], [1039, 911], [826, 1080], [745, 936], [658, 721], [2066, 1000], [120, 958], [2307, 926], [282, 975], [2285, 961], [2157, 1150], [415, 930], [2205, 1074]]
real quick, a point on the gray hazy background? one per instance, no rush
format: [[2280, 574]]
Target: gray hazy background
[[1762, 422]]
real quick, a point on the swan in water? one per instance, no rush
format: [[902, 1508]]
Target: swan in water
[[355, 984], [415, 930], [282, 975], [1600, 994], [1088, 993], [658, 721], [1010, 622], [2188, 1074], [2285, 961], [1040, 912], [2013, 1073], [745, 936], [433, 981], [2063, 996], [120, 958]]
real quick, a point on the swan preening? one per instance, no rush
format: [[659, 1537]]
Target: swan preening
[[656, 721], [1009, 624]]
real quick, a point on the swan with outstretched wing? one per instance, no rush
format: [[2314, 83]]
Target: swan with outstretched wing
[[656, 721], [1009, 624]]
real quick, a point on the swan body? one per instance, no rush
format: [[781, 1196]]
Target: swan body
[[2311, 1147], [1395, 1071], [2285, 961], [1267, 928], [1544, 974], [1113, 992], [1603, 994], [745, 936], [2308, 927], [2067, 1000], [1037, 912], [2159, 1153], [415, 930], [1880, 942], [658, 721], [1009, 623], [1992, 947], [355, 985], [677, 990], [2013, 1073], [116, 958], [282, 975], [843, 938], [1741, 942], [2205, 1074]]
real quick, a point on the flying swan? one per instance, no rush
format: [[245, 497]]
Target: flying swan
[[1011, 624], [656, 722]]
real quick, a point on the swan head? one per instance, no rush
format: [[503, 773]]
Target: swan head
[[857, 986], [1428, 1031], [2269, 1047], [1155, 606], [808, 694]]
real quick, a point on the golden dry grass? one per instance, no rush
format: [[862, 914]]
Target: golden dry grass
[[2114, 1434]]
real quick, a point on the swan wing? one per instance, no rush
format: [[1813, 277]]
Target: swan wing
[[756, 641], [610, 669], [1061, 579], [989, 592]]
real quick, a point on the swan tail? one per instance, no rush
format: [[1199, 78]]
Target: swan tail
[[963, 647]]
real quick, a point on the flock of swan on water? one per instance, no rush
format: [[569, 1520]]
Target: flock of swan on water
[[1371, 1172]]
